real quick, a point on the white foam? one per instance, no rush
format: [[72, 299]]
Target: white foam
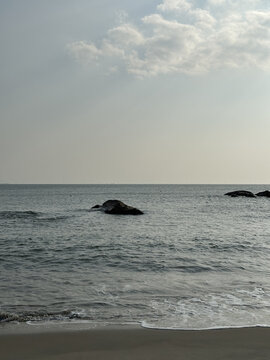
[[145, 325], [59, 322]]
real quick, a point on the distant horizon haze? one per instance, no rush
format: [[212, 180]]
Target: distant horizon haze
[[138, 184]]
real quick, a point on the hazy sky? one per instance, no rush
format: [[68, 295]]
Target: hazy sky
[[124, 91]]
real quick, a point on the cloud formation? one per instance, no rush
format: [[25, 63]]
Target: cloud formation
[[181, 37]]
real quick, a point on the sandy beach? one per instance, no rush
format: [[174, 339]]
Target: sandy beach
[[137, 343]]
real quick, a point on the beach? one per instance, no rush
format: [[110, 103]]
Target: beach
[[137, 343]]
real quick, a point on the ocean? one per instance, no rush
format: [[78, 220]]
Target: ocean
[[196, 259]]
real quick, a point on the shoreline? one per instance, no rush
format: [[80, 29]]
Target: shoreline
[[131, 342], [39, 327]]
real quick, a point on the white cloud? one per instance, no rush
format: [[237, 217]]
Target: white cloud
[[180, 37], [84, 52], [172, 5], [216, 2], [125, 35]]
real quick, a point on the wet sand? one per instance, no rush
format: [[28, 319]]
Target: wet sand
[[137, 343]]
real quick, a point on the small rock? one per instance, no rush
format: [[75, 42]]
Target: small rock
[[117, 207], [241, 193], [265, 193]]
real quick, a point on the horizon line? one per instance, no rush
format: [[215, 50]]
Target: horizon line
[[114, 183]]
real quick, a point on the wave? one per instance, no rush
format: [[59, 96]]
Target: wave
[[192, 269], [54, 218], [6, 317], [29, 214], [18, 214], [82, 210]]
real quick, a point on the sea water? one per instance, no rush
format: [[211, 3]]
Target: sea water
[[196, 259]]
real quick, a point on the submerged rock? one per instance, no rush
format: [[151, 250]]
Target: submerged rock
[[96, 207], [117, 207], [265, 193], [241, 193]]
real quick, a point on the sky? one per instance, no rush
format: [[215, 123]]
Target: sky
[[145, 91]]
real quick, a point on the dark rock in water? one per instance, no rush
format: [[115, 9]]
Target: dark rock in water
[[265, 193], [241, 193], [117, 207]]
